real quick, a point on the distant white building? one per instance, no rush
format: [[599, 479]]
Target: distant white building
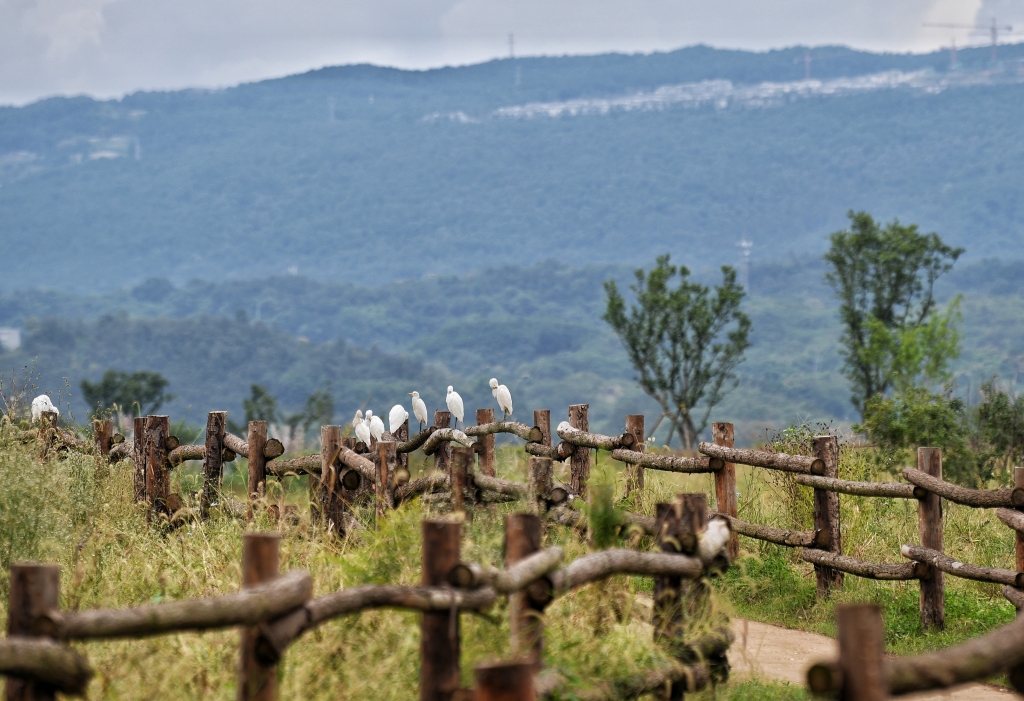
[[10, 339]]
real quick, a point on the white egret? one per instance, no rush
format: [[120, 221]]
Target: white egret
[[419, 409], [358, 419], [455, 405], [41, 405], [396, 418], [503, 396], [363, 431], [375, 423]]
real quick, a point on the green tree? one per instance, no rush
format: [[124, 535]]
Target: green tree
[[319, 409], [119, 392], [884, 277], [684, 342], [260, 405]]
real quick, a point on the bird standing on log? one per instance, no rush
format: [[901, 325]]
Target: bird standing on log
[[419, 409], [363, 431], [42, 404], [376, 425], [503, 396], [455, 405], [396, 418]]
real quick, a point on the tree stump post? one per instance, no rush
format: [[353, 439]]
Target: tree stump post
[[401, 437], [579, 461], [439, 630], [541, 479], [504, 681], [826, 515], [213, 461], [861, 652], [443, 456], [139, 458], [542, 420], [386, 464], [523, 536], [35, 589], [725, 482], [462, 461], [332, 506], [257, 470], [929, 523], [1018, 482], [260, 563], [47, 432], [635, 473], [103, 433], [486, 443], [158, 429]]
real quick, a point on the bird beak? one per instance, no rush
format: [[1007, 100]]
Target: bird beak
[[410, 394]]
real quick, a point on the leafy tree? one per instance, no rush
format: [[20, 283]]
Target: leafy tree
[[319, 409], [684, 341], [884, 277], [119, 391], [260, 406]]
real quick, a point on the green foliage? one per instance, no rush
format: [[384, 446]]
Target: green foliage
[[604, 518], [260, 406], [683, 342], [136, 393], [885, 279]]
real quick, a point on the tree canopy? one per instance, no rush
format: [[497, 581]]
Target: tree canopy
[[123, 393]]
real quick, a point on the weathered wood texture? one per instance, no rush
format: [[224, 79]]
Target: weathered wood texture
[[103, 432], [868, 570], [861, 652], [963, 570], [826, 514], [332, 506], [1012, 518], [443, 453], [726, 502], [978, 498], [530, 434], [413, 444], [561, 452], [213, 463], [441, 440], [635, 472], [401, 437], [929, 524], [668, 463], [434, 481], [541, 480], [485, 442], [439, 630], [260, 562], [272, 448], [1018, 483], [461, 478], [891, 490], [781, 536], [579, 461], [523, 535], [1014, 596], [35, 589], [594, 440], [600, 565], [761, 458], [44, 664], [509, 488], [157, 466], [257, 472], [504, 681], [387, 463], [542, 420], [139, 458]]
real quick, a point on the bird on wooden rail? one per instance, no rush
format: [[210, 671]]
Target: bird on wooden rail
[[41, 405], [362, 430], [419, 409], [455, 405], [375, 424], [504, 398], [396, 418]]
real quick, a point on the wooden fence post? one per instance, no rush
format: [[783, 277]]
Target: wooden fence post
[[443, 456], [523, 535], [213, 461], [1018, 482], [332, 506], [439, 630], [158, 429], [139, 457], [257, 477], [579, 462], [260, 563], [929, 523], [103, 432], [542, 420], [35, 589], [486, 416], [541, 478], [635, 473], [386, 464], [401, 437], [504, 681], [861, 650], [826, 515], [462, 460], [725, 482]]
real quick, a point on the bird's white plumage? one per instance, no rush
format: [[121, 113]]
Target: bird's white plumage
[[504, 397], [455, 405], [713, 540], [419, 407], [397, 417], [40, 405], [376, 425], [358, 418], [363, 433]]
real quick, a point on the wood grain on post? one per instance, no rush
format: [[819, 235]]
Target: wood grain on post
[[523, 535], [542, 420], [1018, 483], [486, 416], [541, 481], [158, 429], [635, 473], [443, 456], [401, 437], [213, 460], [260, 563], [35, 590], [139, 458], [103, 434], [439, 630], [257, 477], [504, 681], [861, 652], [929, 523], [579, 461], [826, 514], [387, 463], [724, 435], [329, 489], [462, 459]]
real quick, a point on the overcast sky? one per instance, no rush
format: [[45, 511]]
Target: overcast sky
[[111, 47]]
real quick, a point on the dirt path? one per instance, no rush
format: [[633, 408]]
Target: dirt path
[[779, 653]]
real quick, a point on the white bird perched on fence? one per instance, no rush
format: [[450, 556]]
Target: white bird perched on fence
[[503, 396], [419, 409], [41, 405], [375, 423], [363, 431], [358, 418], [455, 405], [714, 540], [396, 418]]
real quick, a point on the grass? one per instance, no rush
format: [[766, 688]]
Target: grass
[[68, 512]]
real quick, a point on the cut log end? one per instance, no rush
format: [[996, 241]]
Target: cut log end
[[351, 480], [818, 467], [825, 678], [716, 464], [1017, 498], [273, 449]]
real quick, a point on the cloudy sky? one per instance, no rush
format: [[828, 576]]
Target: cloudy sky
[[111, 47]]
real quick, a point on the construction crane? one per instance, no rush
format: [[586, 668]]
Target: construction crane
[[994, 30]]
